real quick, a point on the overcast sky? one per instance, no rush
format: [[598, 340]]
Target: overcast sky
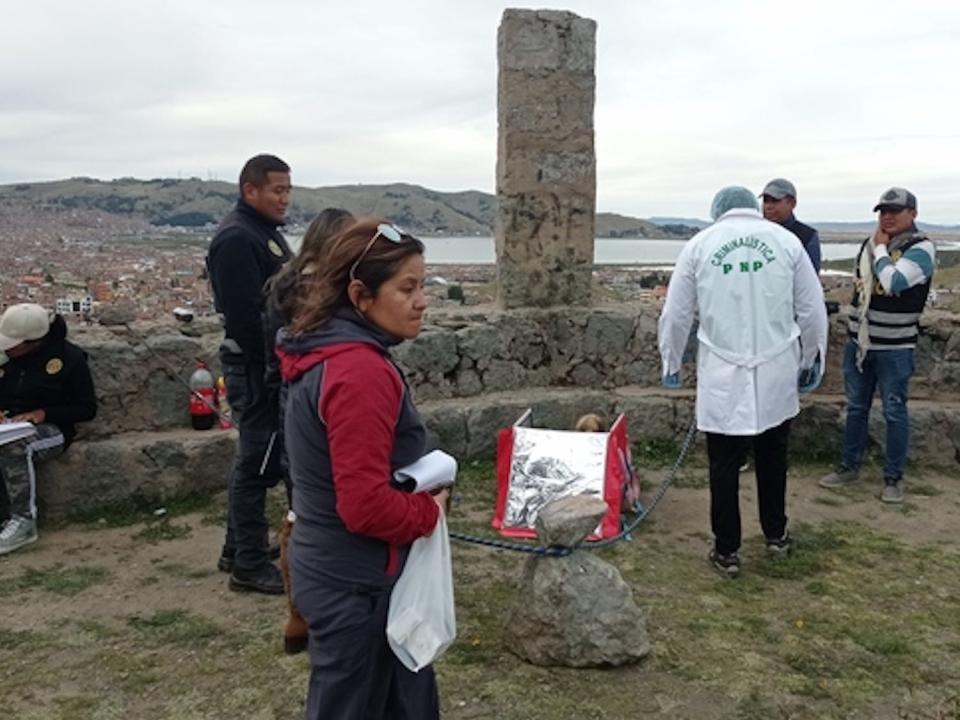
[[845, 97]]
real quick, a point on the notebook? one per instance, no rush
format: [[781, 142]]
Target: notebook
[[10, 431]]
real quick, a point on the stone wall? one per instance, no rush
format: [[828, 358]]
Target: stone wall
[[467, 354], [472, 374]]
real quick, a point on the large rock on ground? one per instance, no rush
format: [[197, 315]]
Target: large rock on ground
[[152, 465], [576, 611]]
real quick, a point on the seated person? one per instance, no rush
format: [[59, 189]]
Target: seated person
[[44, 380]]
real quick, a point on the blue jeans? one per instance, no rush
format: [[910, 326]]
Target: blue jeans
[[891, 370]]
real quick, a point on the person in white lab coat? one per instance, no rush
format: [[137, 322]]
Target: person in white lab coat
[[761, 342]]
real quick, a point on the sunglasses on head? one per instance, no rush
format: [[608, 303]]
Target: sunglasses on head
[[384, 230]]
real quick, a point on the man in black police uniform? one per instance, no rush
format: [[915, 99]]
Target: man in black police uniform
[[246, 251]]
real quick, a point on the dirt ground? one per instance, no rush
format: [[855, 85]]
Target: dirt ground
[[135, 621]]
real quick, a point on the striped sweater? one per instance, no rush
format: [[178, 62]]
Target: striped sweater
[[902, 277]]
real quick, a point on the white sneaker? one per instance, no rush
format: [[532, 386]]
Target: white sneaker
[[17, 532]]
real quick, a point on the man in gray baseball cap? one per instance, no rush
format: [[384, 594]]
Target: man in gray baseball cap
[[899, 198], [894, 271], [779, 200]]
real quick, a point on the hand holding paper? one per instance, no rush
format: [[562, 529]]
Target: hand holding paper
[[434, 470]]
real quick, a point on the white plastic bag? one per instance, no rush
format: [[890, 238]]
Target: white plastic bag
[[421, 621]]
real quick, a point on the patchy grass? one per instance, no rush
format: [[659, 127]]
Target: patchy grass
[[134, 510], [655, 452], [57, 579], [185, 572], [853, 615], [174, 626], [11, 639], [857, 623], [162, 529]]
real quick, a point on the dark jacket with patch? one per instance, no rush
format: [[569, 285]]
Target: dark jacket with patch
[[350, 422], [54, 378], [245, 252]]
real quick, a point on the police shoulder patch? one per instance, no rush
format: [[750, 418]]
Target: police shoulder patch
[[275, 248], [54, 365]]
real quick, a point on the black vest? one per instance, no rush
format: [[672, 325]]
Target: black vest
[[888, 313], [801, 230]]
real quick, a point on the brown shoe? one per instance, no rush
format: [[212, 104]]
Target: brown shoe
[[295, 628]]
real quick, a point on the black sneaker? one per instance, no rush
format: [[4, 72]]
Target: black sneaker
[[266, 580], [780, 548], [225, 563], [727, 565]]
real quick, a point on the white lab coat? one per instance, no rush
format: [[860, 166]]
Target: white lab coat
[[762, 318]]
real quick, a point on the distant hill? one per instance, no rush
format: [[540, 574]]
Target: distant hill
[[197, 203], [689, 222], [835, 227], [865, 228]]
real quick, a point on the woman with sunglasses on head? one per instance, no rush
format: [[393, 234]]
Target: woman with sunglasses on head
[[350, 422]]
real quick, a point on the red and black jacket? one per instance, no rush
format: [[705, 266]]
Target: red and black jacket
[[349, 423]]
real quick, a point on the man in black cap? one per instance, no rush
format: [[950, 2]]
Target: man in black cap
[[246, 251], [894, 271], [779, 201]]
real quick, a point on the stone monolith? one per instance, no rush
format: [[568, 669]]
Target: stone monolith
[[546, 167]]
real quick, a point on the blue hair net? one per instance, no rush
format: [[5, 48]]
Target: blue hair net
[[732, 197]]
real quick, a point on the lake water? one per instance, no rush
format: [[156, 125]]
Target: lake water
[[607, 251]]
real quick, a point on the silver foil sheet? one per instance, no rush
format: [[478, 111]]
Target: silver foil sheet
[[551, 464]]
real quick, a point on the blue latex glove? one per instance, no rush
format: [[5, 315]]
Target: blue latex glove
[[808, 379], [672, 381]]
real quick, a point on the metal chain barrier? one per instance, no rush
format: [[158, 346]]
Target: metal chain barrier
[[562, 550]]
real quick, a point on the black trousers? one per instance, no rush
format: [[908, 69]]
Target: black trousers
[[256, 466], [354, 674], [725, 453]]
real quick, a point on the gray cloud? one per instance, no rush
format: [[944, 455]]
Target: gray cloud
[[690, 96]]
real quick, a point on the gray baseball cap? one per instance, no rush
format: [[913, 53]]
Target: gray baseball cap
[[779, 188], [897, 197]]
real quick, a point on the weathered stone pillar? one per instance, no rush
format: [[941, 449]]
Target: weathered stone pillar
[[546, 167]]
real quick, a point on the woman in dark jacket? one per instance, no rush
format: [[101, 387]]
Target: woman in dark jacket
[[282, 291], [350, 422]]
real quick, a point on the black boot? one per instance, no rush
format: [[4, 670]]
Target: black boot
[[225, 563], [266, 579]]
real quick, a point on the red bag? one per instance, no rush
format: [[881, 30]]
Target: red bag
[[535, 466]]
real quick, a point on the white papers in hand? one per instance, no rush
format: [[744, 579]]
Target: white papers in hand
[[10, 431], [434, 470]]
